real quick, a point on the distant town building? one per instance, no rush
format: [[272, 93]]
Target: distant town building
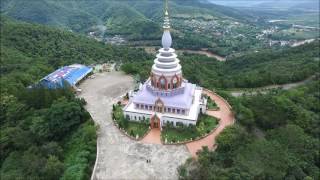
[[166, 97], [68, 75]]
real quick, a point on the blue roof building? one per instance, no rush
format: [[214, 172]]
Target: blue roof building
[[67, 75]]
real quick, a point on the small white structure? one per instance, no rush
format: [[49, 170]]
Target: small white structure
[[166, 97]]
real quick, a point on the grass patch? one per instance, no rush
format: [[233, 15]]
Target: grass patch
[[211, 104], [135, 128], [80, 152], [182, 133], [131, 127]]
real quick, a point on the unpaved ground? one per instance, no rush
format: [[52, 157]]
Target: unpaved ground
[[265, 89], [118, 156]]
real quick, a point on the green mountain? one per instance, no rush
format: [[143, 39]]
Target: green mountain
[[49, 13], [139, 18], [196, 24], [47, 48], [62, 12]]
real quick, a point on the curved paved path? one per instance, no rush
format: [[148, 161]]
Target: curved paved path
[[119, 157], [226, 118], [224, 114]]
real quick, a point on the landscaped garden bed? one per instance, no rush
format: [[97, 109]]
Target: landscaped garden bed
[[133, 129], [211, 105], [181, 133]]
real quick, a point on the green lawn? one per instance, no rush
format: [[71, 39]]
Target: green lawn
[[174, 134], [211, 104], [131, 127], [135, 128]]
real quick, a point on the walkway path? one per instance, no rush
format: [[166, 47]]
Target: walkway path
[[226, 118], [265, 89], [154, 136], [224, 114], [119, 157]]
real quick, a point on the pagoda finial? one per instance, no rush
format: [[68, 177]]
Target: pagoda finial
[[166, 23], [166, 37], [166, 8]]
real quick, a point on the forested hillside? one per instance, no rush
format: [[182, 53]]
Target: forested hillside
[[47, 134], [196, 24], [140, 21], [276, 137], [252, 70], [29, 51], [81, 15]]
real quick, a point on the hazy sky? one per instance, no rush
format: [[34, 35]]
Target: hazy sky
[[250, 3]]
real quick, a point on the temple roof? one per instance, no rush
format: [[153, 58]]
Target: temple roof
[[183, 100]]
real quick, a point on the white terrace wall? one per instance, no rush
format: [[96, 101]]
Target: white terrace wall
[[186, 122], [136, 116]]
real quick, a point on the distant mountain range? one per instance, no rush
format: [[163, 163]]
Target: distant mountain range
[[273, 4], [120, 16]]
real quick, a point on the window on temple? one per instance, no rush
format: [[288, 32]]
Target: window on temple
[[175, 82], [174, 110], [169, 109], [178, 111], [162, 83], [179, 124], [183, 111]]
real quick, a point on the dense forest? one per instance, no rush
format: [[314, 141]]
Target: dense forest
[[248, 71], [138, 22], [30, 51], [196, 24], [47, 134], [276, 137]]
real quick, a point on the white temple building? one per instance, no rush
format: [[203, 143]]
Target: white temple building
[[166, 97]]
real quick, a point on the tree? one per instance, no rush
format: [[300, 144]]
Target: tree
[[263, 159], [245, 116], [53, 168], [231, 139], [302, 147], [62, 116]]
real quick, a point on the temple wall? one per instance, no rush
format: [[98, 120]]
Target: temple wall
[[136, 116], [186, 122]]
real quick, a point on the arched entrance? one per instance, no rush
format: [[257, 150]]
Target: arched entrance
[[155, 121], [159, 106]]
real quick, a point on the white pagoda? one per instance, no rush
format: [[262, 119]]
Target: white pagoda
[[166, 97]]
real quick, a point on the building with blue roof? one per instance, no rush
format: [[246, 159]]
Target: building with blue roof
[[66, 76]]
